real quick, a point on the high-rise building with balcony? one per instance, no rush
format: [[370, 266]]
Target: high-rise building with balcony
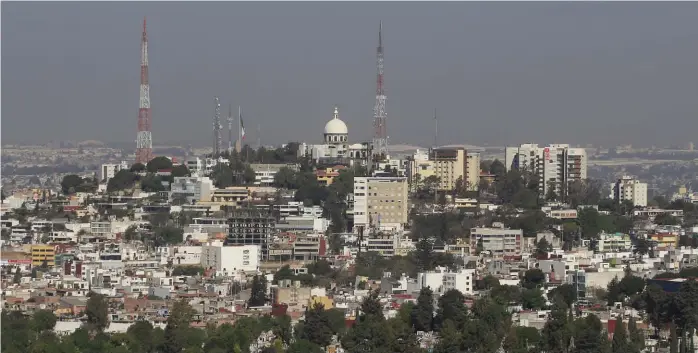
[[556, 165]]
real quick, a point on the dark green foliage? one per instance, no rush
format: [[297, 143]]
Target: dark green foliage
[[423, 313], [258, 295], [317, 327], [637, 339], [532, 299], [43, 320], [158, 163], [620, 343], [589, 336], [168, 235], [666, 219], [151, 183], [137, 167], [97, 312], [72, 183], [180, 171], [451, 307], [304, 346], [123, 179], [533, 278], [565, 292]]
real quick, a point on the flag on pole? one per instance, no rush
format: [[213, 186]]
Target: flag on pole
[[242, 127]]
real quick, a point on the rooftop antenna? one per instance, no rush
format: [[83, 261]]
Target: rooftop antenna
[[217, 127], [230, 128]]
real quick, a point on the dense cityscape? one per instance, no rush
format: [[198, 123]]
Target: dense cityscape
[[342, 245]]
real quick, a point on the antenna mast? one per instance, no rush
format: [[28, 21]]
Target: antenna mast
[[230, 128], [144, 139], [380, 135], [217, 128]]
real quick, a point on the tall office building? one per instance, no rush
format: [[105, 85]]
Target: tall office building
[[556, 165], [380, 202], [452, 163], [628, 188]]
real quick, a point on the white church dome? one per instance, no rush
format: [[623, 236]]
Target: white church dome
[[336, 126]]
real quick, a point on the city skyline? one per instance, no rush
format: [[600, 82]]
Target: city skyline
[[497, 73]]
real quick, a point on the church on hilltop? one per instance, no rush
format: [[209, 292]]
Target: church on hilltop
[[336, 148]]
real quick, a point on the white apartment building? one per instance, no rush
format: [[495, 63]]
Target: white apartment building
[[631, 189], [192, 189], [107, 171], [230, 259], [441, 281], [497, 240], [380, 202], [264, 173], [616, 242], [556, 165], [203, 166]]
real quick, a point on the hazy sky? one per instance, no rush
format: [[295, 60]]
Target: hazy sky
[[607, 73]]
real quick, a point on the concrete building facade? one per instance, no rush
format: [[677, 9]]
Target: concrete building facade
[[453, 163], [630, 189], [556, 165], [380, 202]]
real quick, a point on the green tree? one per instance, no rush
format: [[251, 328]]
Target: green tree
[[543, 247], [620, 343], [18, 276], [666, 219], [140, 337], [304, 346], [613, 290], [588, 335], [285, 177], [137, 168], [285, 272], [43, 320], [180, 170], [158, 163], [533, 278], [178, 334], [316, 326], [123, 179], [258, 295], [70, 183], [423, 313], [451, 306], [566, 292], [637, 339], [97, 312], [556, 334], [532, 298]]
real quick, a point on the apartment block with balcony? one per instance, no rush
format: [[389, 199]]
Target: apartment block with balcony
[[191, 189], [264, 173], [556, 165], [498, 240], [453, 163], [43, 253], [630, 189]]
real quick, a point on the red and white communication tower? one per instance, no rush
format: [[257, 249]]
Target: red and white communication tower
[[380, 134], [144, 139]]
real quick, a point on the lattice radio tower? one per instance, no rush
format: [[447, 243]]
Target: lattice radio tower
[[144, 139], [380, 135], [217, 129]]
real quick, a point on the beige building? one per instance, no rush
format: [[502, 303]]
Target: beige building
[[452, 163], [380, 202]]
